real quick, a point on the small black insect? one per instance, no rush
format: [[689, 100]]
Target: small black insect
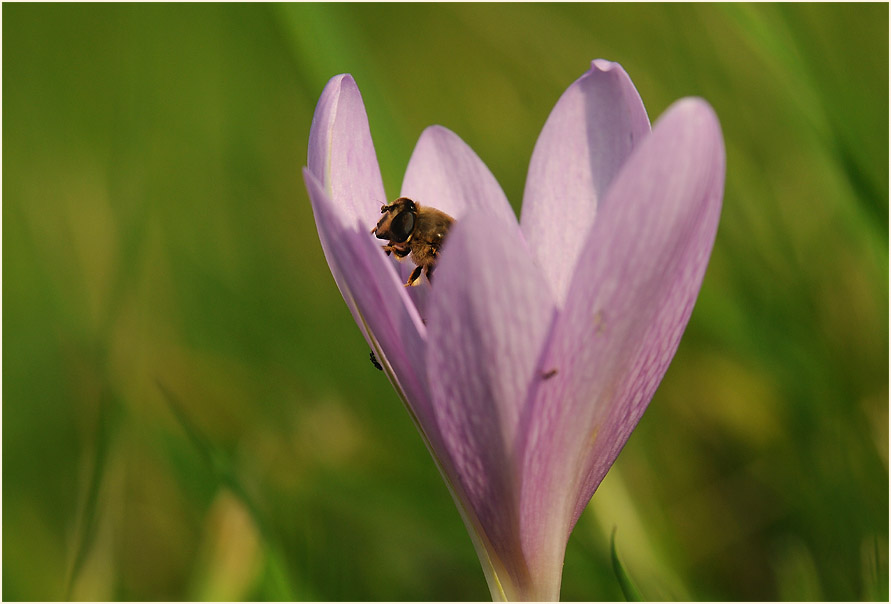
[[374, 361], [549, 374]]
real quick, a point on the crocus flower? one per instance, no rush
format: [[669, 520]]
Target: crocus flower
[[532, 355]]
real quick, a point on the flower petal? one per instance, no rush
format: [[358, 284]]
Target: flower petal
[[341, 154], [445, 173], [394, 331], [637, 279], [378, 302], [590, 133], [490, 313]]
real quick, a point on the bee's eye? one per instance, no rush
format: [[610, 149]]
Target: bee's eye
[[402, 226]]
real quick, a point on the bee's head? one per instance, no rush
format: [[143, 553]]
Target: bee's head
[[398, 220]]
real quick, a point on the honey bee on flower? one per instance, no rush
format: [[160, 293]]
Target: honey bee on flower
[[416, 230]]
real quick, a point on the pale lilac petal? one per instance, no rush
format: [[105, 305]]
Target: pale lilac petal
[[490, 312], [391, 326], [341, 154], [632, 293], [379, 304], [590, 133], [445, 173]]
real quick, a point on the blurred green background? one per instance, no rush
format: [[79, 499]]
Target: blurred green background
[[188, 408]]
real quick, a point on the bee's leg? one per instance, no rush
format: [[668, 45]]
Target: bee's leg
[[401, 250], [429, 272], [414, 276]]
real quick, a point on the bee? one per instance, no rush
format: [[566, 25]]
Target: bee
[[416, 230]]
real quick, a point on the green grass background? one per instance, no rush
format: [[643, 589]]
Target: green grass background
[[189, 411]]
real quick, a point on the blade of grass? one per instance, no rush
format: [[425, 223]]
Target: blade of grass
[[874, 571], [629, 589], [106, 426], [219, 464]]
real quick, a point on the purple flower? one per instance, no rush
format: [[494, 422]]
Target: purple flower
[[533, 354]]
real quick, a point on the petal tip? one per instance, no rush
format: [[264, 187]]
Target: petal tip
[[698, 112], [333, 89], [604, 65], [435, 131], [695, 104], [338, 85], [340, 78]]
